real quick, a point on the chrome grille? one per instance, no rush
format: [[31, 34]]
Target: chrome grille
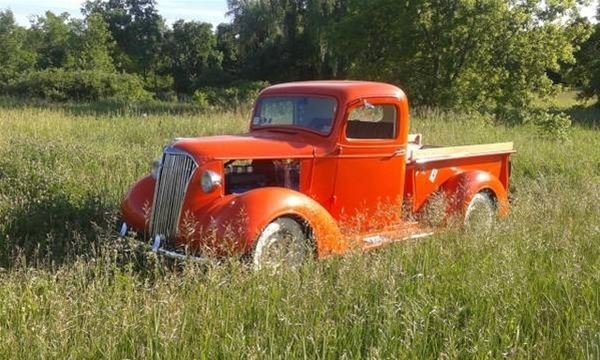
[[175, 173]]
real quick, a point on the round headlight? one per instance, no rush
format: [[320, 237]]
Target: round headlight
[[210, 180]]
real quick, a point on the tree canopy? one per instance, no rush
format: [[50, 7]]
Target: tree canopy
[[586, 72], [493, 55]]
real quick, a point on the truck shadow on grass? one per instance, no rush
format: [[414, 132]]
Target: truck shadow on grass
[[54, 231]]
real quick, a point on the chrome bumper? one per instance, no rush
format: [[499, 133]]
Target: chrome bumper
[[156, 248], [180, 256]]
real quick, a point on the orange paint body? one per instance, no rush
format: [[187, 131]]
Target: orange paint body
[[343, 185]]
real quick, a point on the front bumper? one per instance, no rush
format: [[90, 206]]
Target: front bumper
[[157, 248], [181, 256]]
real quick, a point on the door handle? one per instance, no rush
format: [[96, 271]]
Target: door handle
[[400, 152]]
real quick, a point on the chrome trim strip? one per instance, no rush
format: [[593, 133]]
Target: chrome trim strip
[[186, 186], [157, 181]]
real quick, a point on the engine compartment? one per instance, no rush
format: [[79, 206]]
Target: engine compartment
[[245, 175]]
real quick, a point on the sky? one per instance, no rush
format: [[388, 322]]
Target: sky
[[212, 11]]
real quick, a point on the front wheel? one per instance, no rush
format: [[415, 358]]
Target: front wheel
[[480, 212], [283, 242]]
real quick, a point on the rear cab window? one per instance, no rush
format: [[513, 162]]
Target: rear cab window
[[373, 122]]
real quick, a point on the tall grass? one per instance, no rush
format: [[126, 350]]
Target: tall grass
[[70, 289]]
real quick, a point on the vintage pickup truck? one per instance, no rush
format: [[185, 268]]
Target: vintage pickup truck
[[327, 167]]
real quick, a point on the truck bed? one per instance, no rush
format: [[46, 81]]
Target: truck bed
[[430, 166]]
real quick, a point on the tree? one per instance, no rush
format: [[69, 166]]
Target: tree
[[321, 19], [466, 52], [137, 28], [15, 58], [51, 36], [191, 50], [96, 46], [586, 73], [227, 45], [282, 40]]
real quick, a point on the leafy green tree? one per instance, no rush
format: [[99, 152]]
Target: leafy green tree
[[51, 36], [137, 28], [586, 73], [282, 40], [15, 58], [96, 46], [466, 52], [259, 36], [227, 45], [191, 49], [322, 17]]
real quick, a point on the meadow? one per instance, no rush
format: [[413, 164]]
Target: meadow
[[69, 288]]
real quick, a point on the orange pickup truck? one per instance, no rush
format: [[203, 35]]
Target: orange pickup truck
[[326, 167]]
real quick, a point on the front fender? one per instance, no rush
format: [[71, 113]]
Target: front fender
[[137, 204], [461, 188], [241, 218]]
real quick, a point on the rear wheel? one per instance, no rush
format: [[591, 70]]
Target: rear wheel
[[481, 212], [283, 242]]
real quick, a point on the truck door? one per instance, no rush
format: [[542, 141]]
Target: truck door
[[371, 166]]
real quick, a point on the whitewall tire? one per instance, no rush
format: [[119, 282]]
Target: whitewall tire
[[283, 242], [481, 212]]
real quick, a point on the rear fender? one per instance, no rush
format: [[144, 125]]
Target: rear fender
[[460, 189], [241, 218]]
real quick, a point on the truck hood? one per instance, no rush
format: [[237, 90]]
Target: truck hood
[[246, 147]]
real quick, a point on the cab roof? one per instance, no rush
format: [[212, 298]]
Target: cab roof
[[344, 90]]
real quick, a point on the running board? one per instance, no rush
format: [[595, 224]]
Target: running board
[[378, 240]]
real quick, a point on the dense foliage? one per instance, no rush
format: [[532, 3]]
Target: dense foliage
[[491, 55], [586, 72], [86, 85], [468, 53]]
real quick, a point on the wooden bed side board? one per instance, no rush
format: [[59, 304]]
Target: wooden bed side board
[[443, 153]]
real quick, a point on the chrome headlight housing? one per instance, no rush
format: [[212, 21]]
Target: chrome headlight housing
[[156, 165], [210, 180]]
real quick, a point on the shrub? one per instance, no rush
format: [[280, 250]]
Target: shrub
[[161, 86], [201, 99], [61, 85], [554, 125], [238, 95], [551, 124]]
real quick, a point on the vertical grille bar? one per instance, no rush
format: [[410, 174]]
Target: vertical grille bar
[[176, 170]]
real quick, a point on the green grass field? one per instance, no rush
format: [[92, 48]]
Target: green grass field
[[70, 289]]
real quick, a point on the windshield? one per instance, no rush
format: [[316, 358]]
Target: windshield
[[313, 113]]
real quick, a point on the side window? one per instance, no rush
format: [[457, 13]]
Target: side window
[[372, 122]]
